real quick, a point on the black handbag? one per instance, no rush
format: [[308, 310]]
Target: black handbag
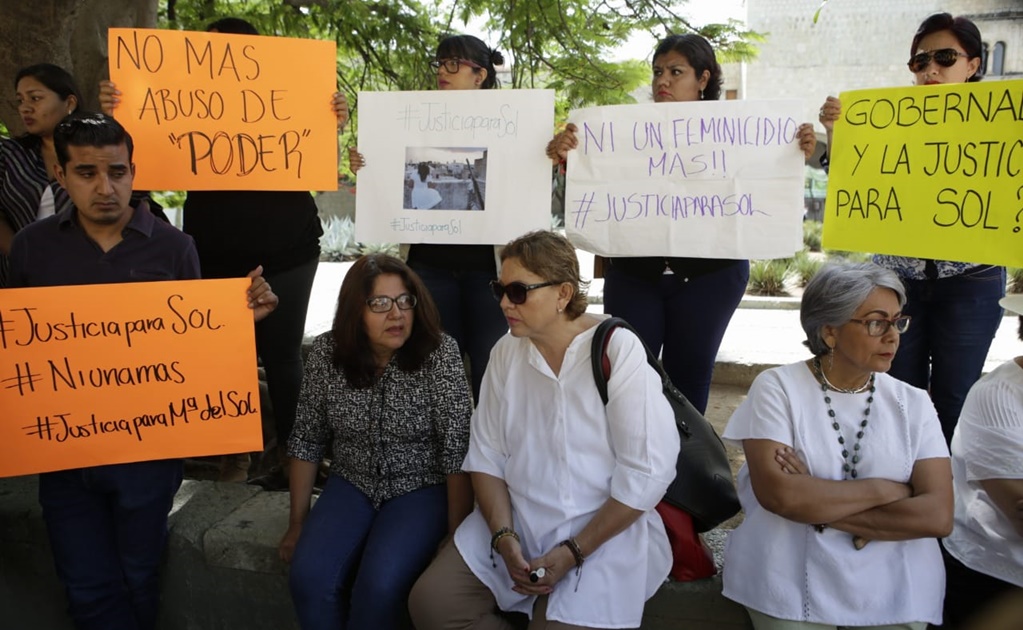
[[703, 484]]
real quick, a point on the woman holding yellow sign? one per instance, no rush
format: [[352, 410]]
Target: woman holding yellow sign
[[954, 304]]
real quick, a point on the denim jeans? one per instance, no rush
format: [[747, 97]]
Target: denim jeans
[[108, 527], [354, 565], [682, 321], [468, 312], [279, 343], [954, 321]]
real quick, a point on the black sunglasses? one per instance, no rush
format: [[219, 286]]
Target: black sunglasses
[[516, 291], [945, 57]]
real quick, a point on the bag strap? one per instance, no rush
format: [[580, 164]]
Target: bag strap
[[602, 364]]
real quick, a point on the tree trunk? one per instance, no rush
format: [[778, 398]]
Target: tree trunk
[[69, 33]]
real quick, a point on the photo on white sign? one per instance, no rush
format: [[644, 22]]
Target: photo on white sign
[[445, 178]]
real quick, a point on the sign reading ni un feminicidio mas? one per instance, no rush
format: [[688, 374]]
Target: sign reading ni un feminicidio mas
[[931, 171], [720, 179], [114, 373]]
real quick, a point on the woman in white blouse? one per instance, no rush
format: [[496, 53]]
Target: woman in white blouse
[[984, 554], [847, 480], [565, 529]]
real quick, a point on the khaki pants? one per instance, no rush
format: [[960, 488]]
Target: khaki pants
[[448, 596], [766, 622]]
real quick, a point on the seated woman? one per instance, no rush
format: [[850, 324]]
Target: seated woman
[[565, 528], [386, 393], [847, 480], [984, 554]]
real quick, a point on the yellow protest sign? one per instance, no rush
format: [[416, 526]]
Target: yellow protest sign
[[929, 171], [105, 374], [210, 111]]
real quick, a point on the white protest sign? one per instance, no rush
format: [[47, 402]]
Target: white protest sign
[[463, 166], [707, 179]]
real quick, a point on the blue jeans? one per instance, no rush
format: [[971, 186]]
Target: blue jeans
[[954, 322], [108, 528], [354, 565], [468, 312], [681, 321]]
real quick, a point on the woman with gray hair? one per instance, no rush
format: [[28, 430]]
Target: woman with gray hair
[[847, 480]]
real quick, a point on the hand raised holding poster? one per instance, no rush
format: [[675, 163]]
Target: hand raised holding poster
[[720, 179], [462, 166], [929, 171], [126, 373], [211, 111]]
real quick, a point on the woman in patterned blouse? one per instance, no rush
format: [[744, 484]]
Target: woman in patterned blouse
[[385, 391], [45, 94]]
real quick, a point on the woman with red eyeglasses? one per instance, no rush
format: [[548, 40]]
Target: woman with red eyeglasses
[[458, 276], [954, 304]]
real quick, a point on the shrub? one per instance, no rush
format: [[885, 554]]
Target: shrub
[[805, 267], [812, 233], [767, 277], [338, 240], [1015, 279]]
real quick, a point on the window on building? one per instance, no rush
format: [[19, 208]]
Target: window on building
[[998, 60], [983, 60]]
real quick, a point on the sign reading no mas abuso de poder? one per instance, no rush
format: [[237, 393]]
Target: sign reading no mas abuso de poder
[[210, 111], [105, 374], [932, 171], [720, 179]]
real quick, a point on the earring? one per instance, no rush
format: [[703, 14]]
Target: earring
[[560, 310], [701, 95], [831, 359]]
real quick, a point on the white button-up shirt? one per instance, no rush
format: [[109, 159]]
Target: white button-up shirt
[[562, 455]]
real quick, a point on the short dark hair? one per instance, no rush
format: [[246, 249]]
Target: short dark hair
[[352, 351], [964, 30], [552, 257], [473, 49], [86, 129], [424, 171], [233, 26], [700, 55]]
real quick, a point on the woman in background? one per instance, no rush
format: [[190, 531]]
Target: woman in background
[[954, 305], [680, 306], [458, 276]]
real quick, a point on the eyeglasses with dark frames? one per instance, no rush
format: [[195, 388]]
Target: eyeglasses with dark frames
[[452, 65], [517, 292], [384, 303], [944, 57], [878, 327]]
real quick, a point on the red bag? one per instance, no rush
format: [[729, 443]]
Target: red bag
[[691, 558]]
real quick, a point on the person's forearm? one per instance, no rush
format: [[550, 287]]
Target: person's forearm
[[923, 516], [460, 500], [301, 477], [493, 499], [611, 519]]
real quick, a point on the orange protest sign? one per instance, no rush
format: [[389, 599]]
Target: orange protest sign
[[114, 373], [210, 111]]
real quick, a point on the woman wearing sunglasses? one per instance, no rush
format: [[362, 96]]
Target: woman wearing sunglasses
[[847, 480], [954, 304], [385, 397], [458, 276], [680, 306], [565, 529]]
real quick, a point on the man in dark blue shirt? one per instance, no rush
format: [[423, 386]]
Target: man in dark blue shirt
[[108, 524]]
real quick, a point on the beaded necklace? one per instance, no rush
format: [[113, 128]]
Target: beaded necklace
[[849, 464]]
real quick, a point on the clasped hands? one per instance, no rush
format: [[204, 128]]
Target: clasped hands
[[556, 563]]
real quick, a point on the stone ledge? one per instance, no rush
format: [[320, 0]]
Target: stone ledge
[[222, 570]]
